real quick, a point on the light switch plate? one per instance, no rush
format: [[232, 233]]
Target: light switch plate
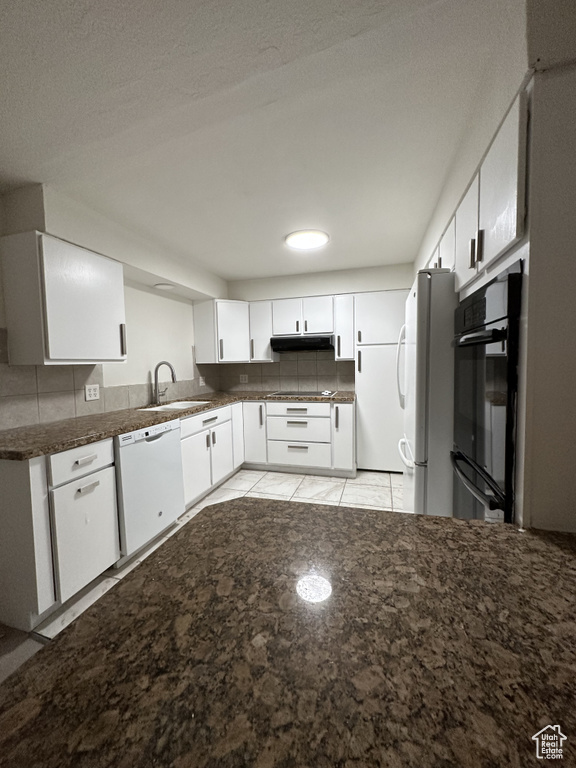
[[92, 392], [243, 378], [202, 381]]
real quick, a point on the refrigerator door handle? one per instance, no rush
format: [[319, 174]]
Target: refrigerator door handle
[[407, 461], [495, 501], [401, 340]]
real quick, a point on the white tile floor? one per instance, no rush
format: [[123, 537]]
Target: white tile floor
[[368, 490]]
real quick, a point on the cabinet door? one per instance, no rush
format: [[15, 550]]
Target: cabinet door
[[502, 186], [466, 229], [379, 418], [232, 320], [286, 317], [196, 466], [255, 433], [318, 314], [84, 303], [222, 451], [260, 331], [447, 246], [344, 327], [379, 316], [85, 518], [238, 434], [343, 445]]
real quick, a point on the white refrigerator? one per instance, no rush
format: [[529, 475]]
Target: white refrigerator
[[426, 393]]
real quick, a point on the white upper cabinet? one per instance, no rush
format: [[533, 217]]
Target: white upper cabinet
[[296, 317], [502, 187], [260, 332], [222, 331], [64, 304], [447, 246], [466, 232], [344, 327], [379, 316], [286, 317], [318, 314]]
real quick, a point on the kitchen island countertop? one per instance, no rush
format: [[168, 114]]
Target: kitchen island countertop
[[23, 443]]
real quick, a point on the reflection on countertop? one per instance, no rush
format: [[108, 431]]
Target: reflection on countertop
[[25, 443], [443, 643]]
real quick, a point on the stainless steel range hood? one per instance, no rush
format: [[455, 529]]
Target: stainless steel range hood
[[301, 343]]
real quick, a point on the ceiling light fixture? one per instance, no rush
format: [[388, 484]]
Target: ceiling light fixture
[[306, 239], [164, 286]]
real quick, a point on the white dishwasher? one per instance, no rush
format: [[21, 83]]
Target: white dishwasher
[[150, 483]]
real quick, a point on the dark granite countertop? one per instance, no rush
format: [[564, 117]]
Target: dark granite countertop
[[444, 644], [25, 443]]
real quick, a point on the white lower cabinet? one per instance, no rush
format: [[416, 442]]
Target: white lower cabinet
[[255, 433], [85, 525], [208, 454], [343, 442], [238, 434]]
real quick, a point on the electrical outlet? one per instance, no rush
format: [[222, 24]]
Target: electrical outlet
[[202, 381], [243, 378], [92, 392]]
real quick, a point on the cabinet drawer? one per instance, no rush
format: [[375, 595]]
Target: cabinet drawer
[[86, 537], [205, 420], [296, 428], [299, 454], [78, 462], [297, 409]]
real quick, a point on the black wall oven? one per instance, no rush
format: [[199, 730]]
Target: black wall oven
[[486, 385]]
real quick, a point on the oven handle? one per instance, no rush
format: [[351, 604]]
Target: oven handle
[[481, 337], [497, 501]]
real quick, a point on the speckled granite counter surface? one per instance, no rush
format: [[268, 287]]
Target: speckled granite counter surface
[[39, 439], [444, 644]]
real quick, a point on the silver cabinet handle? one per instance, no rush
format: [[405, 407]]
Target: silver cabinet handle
[[300, 447], [83, 460], [297, 326], [359, 337], [89, 487], [300, 410], [221, 349], [305, 326], [336, 417], [359, 361], [479, 245], [208, 440], [339, 347], [123, 346], [300, 421], [209, 421], [213, 438], [472, 253], [251, 349], [261, 409]]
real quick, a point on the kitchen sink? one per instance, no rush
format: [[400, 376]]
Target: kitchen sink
[[179, 405]]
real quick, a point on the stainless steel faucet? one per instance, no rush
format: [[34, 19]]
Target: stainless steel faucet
[[158, 393]]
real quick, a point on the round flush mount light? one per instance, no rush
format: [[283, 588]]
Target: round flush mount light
[[164, 286], [306, 239], [313, 588]]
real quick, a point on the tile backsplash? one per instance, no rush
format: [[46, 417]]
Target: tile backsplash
[[38, 394]]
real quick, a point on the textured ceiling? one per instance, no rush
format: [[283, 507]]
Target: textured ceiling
[[215, 128]]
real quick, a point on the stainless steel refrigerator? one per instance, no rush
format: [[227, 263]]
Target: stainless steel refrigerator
[[425, 365]]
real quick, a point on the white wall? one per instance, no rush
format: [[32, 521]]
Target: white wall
[[158, 327], [500, 85], [323, 283]]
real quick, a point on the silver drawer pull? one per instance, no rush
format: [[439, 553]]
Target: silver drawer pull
[[221, 349], [261, 415], [298, 409], [252, 349], [213, 438], [123, 346], [337, 419], [83, 460], [208, 440], [208, 421], [89, 487], [300, 447], [297, 422], [339, 347]]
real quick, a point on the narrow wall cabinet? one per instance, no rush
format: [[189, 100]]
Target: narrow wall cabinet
[[344, 327], [260, 332], [64, 304], [255, 433]]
